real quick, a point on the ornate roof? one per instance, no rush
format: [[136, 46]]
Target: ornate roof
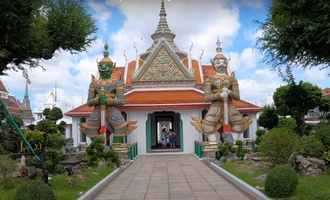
[[2, 87], [163, 32]]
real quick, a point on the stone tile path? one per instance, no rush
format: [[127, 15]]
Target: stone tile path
[[162, 177]]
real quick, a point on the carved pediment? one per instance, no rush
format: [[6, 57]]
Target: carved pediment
[[163, 65]]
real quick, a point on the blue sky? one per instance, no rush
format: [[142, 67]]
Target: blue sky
[[126, 24]]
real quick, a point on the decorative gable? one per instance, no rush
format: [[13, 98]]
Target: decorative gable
[[163, 65]]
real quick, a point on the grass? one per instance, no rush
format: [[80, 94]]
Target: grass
[[308, 187], [65, 188]]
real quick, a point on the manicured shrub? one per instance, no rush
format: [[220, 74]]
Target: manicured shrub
[[311, 146], [240, 152], [287, 123], [278, 144], [35, 190], [323, 132], [259, 133], [281, 182], [111, 156], [96, 152]]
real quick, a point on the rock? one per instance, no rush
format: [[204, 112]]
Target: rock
[[309, 166]]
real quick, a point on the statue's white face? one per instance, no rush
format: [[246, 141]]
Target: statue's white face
[[220, 65]]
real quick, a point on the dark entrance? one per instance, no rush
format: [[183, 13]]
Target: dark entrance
[[164, 132]]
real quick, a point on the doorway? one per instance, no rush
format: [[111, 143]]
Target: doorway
[[164, 132]]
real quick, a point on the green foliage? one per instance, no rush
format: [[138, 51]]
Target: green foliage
[[325, 106], [61, 127], [34, 136], [296, 100], [53, 114], [224, 150], [296, 33], [326, 157], [111, 157], [281, 182], [8, 137], [311, 146], [7, 167], [259, 133], [47, 126], [36, 190], [96, 152], [278, 144], [268, 118], [321, 195], [323, 132], [287, 123], [240, 152], [34, 30]]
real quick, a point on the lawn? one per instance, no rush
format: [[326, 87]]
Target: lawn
[[308, 188], [65, 188]]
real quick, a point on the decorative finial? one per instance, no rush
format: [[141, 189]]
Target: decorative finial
[[106, 50], [162, 9], [219, 48]]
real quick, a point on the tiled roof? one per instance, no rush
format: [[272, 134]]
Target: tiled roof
[[156, 99], [13, 105]]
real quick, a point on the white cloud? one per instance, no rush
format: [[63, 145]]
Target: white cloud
[[247, 59], [259, 87], [315, 75], [200, 22]]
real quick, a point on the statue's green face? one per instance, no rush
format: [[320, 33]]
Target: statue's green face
[[105, 70]]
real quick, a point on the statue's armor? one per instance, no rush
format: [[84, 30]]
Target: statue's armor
[[115, 93], [214, 117]]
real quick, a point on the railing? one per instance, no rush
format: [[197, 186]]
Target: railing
[[199, 149], [132, 151]]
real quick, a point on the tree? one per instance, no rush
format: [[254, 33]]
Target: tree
[[296, 100], [278, 145], [325, 106], [268, 118], [55, 114], [34, 29], [297, 32]]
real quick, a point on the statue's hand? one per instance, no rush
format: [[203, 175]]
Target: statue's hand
[[225, 93]]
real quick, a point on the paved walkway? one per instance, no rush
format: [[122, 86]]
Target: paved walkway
[[162, 177]]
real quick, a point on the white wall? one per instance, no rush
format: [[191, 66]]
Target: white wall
[[76, 131], [190, 134], [139, 134]]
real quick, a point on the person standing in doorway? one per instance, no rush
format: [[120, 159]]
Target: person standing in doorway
[[172, 137]]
